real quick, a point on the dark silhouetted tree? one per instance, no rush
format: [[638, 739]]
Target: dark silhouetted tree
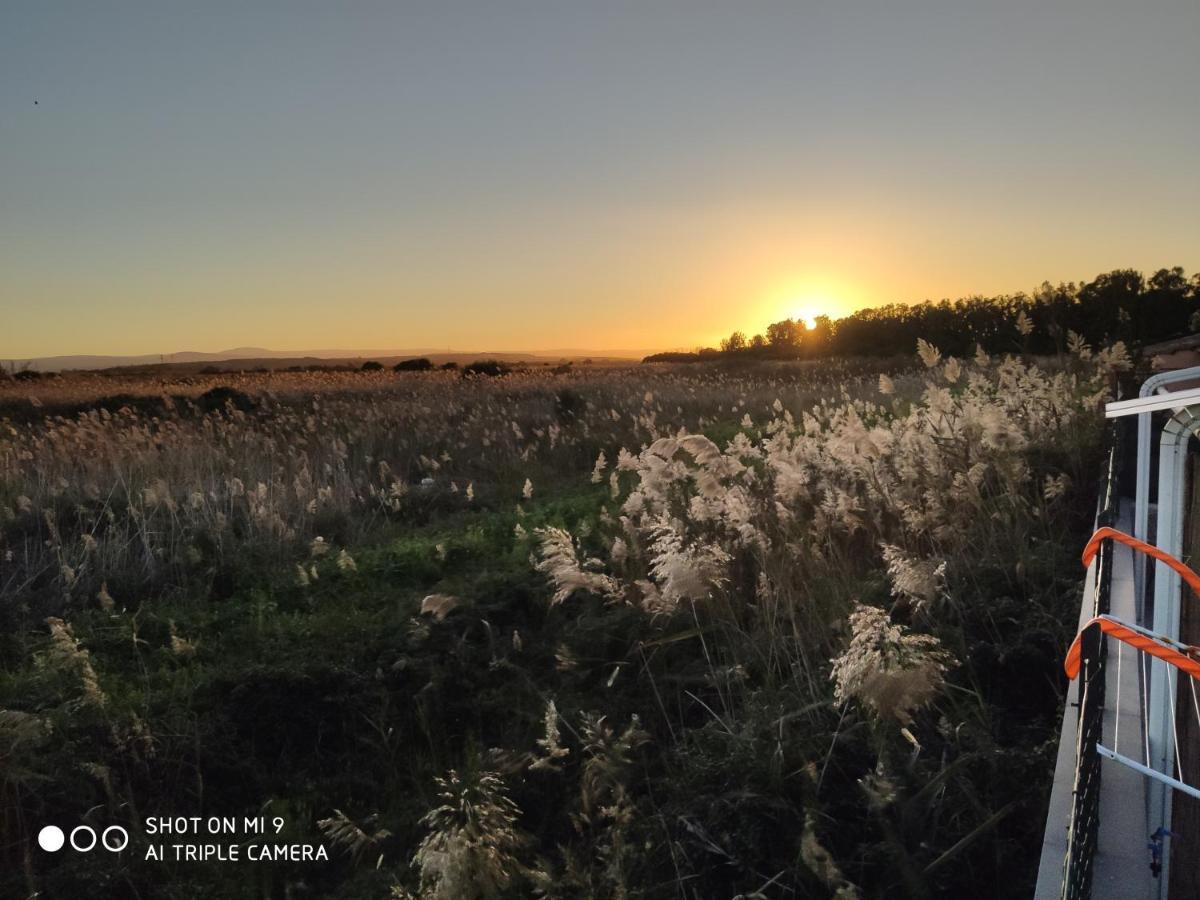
[[420, 364], [734, 343]]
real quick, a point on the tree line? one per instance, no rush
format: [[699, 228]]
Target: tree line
[[1122, 305]]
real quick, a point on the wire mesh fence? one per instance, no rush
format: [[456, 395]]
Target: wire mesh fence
[[1085, 802]]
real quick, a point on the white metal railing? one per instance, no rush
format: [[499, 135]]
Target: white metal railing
[[1158, 694]]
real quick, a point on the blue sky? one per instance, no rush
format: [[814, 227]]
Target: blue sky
[[546, 175]]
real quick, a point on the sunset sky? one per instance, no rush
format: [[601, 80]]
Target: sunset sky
[[523, 176]]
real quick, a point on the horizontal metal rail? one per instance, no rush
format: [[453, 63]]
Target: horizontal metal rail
[[1153, 403], [1147, 771]]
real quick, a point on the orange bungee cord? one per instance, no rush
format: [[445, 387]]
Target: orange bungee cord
[[1157, 645], [1093, 547], [1183, 656]]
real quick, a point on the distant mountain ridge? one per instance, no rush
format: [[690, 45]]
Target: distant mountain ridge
[[254, 357]]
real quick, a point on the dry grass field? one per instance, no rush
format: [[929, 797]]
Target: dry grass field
[[767, 631]]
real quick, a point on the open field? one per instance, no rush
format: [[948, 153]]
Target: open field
[[777, 631]]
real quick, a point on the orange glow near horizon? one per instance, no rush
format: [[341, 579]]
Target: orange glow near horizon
[[801, 298], [567, 179], [806, 299]]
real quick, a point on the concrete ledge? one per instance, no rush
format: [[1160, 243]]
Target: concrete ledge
[[1121, 868]]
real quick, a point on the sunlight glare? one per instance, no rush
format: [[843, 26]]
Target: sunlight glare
[[806, 298]]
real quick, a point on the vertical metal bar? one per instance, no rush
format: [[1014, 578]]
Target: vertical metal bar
[[1167, 587], [1141, 497]]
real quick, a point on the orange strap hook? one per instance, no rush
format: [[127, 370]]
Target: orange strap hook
[[1093, 547], [1182, 656], [1178, 655]]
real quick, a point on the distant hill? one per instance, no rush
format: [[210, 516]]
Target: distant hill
[[241, 358]]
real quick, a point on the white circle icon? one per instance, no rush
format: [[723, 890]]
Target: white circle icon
[[121, 835], [51, 838], [91, 834]]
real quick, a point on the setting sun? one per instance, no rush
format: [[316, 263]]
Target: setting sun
[[807, 312], [804, 299]]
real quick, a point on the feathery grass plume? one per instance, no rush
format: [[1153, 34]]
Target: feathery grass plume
[[930, 355], [822, 864], [887, 669], [352, 838], [474, 846], [345, 562], [608, 760], [917, 580], [67, 655], [564, 658], [878, 788], [51, 527], [527, 490], [952, 370], [550, 750], [1078, 346], [598, 468], [181, 646], [705, 452], [684, 572], [1024, 324], [1055, 487], [606, 809], [1115, 357], [560, 563], [18, 729], [886, 385], [439, 605], [318, 547], [104, 598]]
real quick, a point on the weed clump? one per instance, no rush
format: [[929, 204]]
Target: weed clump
[[487, 367]]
